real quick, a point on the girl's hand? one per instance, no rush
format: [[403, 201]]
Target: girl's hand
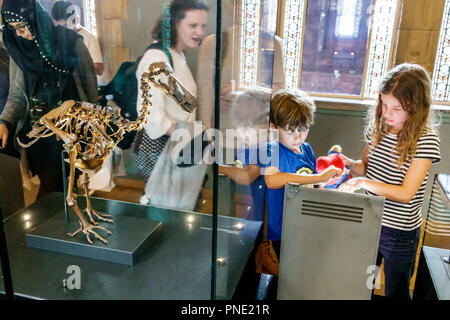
[[330, 173], [3, 135], [347, 161], [352, 185]]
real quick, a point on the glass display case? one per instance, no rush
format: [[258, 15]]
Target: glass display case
[[433, 275], [192, 240], [153, 203]]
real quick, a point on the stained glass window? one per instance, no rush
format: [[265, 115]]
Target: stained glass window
[[440, 87], [249, 43], [292, 39], [380, 46], [91, 21]]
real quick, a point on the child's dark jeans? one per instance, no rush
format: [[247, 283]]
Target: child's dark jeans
[[398, 249]]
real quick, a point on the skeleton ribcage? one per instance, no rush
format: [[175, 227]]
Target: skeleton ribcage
[[97, 129]]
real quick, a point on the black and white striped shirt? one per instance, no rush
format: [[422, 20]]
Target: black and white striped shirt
[[382, 167]]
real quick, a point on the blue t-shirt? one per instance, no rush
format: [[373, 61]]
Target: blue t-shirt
[[290, 162], [254, 155]]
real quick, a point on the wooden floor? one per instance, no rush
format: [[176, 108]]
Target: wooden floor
[[131, 190]]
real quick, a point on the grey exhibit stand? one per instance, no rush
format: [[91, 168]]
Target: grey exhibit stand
[[175, 265], [130, 238], [329, 244]]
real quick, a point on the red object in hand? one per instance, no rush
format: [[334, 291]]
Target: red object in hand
[[332, 160]]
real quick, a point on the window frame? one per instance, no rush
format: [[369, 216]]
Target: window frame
[[281, 15]]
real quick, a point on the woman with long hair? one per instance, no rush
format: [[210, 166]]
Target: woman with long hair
[[188, 19], [402, 143]]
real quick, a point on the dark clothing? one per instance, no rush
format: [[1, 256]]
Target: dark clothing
[[398, 249], [51, 48], [44, 157], [4, 88], [4, 81]]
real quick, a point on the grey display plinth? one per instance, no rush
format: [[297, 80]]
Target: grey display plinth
[[130, 237], [329, 244]]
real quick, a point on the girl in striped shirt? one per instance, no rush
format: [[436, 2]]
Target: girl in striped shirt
[[401, 145]]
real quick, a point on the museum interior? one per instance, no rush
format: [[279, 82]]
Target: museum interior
[[98, 97]]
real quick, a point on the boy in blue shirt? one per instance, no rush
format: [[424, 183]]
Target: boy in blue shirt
[[291, 159], [250, 116], [292, 114]]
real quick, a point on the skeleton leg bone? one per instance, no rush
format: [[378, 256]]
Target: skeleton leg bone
[[89, 210], [85, 226]]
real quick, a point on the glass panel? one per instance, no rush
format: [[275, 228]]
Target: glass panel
[[441, 88], [437, 230], [158, 250], [251, 65], [335, 46]]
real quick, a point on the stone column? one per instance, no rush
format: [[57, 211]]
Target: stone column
[[110, 14]]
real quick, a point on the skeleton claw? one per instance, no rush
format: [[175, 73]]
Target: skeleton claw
[[89, 228], [100, 216]]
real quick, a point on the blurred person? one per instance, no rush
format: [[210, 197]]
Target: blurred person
[[65, 14], [188, 19]]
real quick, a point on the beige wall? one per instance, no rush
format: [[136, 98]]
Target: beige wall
[[419, 32]]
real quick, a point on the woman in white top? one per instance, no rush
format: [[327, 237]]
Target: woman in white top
[[188, 19]]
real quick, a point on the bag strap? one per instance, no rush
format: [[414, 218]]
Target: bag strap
[[159, 46]]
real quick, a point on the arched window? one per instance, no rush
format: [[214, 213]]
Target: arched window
[[330, 47]]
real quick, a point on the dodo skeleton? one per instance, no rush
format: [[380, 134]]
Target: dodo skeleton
[[90, 132]]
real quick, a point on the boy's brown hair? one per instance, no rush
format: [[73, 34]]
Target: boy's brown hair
[[291, 109]]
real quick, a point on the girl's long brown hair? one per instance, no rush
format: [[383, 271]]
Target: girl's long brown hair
[[411, 85]]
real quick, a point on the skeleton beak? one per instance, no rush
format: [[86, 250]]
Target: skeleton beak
[[171, 86], [185, 99]]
